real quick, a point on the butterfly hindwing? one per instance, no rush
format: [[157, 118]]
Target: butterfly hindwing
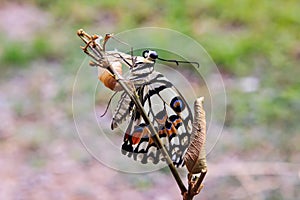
[[123, 110], [170, 115]]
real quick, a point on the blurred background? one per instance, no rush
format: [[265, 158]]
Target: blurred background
[[255, 44]]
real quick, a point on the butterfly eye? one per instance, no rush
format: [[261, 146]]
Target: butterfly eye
[[150, 54], [153, 55]]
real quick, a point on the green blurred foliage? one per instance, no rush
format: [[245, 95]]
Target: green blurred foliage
[[15, 54], [245, 38]]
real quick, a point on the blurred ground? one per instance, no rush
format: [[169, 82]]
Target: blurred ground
[[255, 45]]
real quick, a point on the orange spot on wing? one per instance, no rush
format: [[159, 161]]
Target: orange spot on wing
[[136, 137], [177, 121], [171, 130], [177, 104], [138, 134], [150, 141]]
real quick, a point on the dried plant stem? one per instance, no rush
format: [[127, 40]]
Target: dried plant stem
[[135, 99]]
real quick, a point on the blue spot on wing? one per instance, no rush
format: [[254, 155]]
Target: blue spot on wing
[[177, 104]]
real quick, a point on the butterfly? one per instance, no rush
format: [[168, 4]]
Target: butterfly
[[166, 108]]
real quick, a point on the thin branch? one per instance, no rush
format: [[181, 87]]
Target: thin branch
[[103, 62], [139, 106]]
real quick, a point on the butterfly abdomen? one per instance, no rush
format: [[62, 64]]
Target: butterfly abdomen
[[108, 79]]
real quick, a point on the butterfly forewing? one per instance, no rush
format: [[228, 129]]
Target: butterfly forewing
[[167, 110]]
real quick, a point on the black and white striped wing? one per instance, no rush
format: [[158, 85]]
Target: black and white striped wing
[[167, 110]]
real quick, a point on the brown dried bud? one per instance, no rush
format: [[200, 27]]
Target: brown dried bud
[[195, 157]]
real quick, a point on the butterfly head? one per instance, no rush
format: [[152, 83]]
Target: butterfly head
[[150, 55]]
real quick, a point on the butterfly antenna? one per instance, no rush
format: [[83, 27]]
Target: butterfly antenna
[[133, 59], [120, 41], [179, 61]]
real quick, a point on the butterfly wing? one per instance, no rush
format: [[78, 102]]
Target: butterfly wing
[[170, 115], [123, 110], [137, 76]]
